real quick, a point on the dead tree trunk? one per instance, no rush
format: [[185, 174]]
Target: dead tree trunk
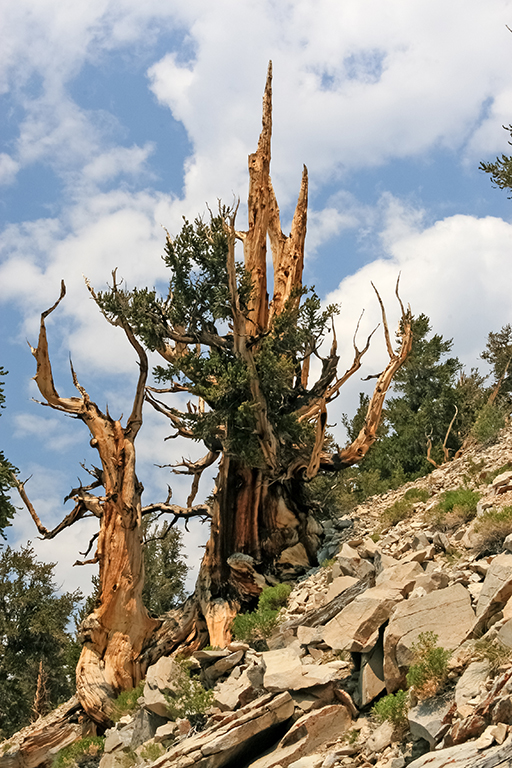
[[117, 629]]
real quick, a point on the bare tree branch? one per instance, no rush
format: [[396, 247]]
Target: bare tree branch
[[78, 512]]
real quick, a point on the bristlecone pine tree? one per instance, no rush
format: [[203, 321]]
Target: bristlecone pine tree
[[246, 357], [247, 360]]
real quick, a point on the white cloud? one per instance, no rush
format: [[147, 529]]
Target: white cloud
[[8, 168], [454, 271]]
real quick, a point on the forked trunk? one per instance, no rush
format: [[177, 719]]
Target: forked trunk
[[259, 528]]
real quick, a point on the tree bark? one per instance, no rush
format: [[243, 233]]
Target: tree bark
[[119, 626]]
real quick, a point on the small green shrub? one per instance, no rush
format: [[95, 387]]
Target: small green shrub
[[84, 753], [488, 423], [328, 562], [260, 624], [190, 699], [490, 477], [417, 494], [430, 668], [151, 752], [400, 510], [493, 652], [454, 508], [126, 702], [273, 598], [492, 528], [392, 707]]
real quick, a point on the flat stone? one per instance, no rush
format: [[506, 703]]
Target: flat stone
[[165, 732], [469, 686], [382, 561], [161, 679], [504, 479], [309, 635], [505, 634], [432, 581], [402, 576], [239, 691], [310, 761], [295, 556], [497, 588], [145, 724], [447, 613], [350, 563], [381, 737], [357, 626], [371, 675], [426, 720], [222, 743], [462, 756], [441, 542], [339, 585], [222, 666], [305, 736], [284, 671]]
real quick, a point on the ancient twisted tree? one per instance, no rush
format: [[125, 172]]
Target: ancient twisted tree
[[246, 358], [119, 627]]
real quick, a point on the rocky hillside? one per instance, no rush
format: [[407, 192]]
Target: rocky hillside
[[397, 651]]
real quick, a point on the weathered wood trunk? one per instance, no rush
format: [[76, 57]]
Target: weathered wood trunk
[[259, 528], [116, 631]]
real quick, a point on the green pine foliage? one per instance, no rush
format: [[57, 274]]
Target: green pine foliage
[[84, 753], [392, 707], [33, 629], [427, 392], [490, 420], [7, 509], [198, 307], [430, 668], [127, 702], [492, 528], [501, 170], [189, 700], [164, 568], [259, 625]]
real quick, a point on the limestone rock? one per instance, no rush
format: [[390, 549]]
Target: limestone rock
[[161, 679], [431, 719], [236, 734], [350, 563], [339, 585], [381, 737], [465, 756], [402, 576], [382, 561], [497, 588], [221, 667], [306, 735], [470, 685], [356, 628], [239, 690], [371, 675], [284, 671], [447, 613]]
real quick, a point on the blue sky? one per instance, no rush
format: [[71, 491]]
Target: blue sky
[[118, 118]]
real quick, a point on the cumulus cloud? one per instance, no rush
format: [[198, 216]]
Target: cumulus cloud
[[451, 270]]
